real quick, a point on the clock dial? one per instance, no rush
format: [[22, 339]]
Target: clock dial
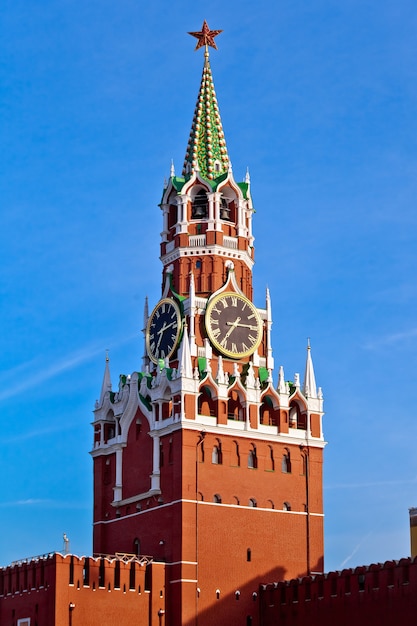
[[163, 330], [233, 325]]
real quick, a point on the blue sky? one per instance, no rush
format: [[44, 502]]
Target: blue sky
[[318, 100]]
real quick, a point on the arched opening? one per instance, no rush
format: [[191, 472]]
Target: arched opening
[[217, 498], [267, 414], [297, 417], [199, 208], [234, 407], [206, 404]]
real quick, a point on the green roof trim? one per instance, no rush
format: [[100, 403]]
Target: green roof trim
[[146, 402], [263, 375], [202, 365], [244, 187]]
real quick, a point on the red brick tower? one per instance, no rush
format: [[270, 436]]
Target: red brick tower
[[199, 460]]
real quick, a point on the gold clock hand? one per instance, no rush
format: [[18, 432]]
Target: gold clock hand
[[233, 326], [247, 326], [160, 333]]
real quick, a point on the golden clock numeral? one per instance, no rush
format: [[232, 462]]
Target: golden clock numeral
[[234, 347], [216, 332], [244, 347], [234, 301]]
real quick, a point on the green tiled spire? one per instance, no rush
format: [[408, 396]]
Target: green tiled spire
[[206, 150]]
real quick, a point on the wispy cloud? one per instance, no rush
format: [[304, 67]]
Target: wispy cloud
[[365, 485], [392, 339], [39, 432], [355, 550], [46, 503], [32, 373]]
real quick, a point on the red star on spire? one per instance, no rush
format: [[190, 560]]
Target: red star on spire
[[206, 36]]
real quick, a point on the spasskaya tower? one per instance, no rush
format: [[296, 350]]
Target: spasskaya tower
[[201, 460]]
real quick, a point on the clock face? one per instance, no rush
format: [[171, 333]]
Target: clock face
[[233, 325], [163, 330]]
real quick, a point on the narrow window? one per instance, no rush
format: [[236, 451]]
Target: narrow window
[[136, 547], [286, 506], [101, 574], [86, 572], [286, 462], [71, 571], [217, 498], [117, 575], [249, 555], [132, 575], [252, 458], [252, 502]]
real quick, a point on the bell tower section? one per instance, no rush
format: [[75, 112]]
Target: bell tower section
[[201, 459]]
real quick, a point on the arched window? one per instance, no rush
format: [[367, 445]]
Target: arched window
[[217, 498], [304, 464], [216, 455], [286, 462], [235, 454], [252, 458], [286, 506], [252, 503], [199, 208], [136, 547], [270, 461]]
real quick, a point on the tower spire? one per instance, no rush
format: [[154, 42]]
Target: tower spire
[[309, 385], [106, 384], [206, 149]]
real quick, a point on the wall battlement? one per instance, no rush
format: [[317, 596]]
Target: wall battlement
[[379, 593]]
